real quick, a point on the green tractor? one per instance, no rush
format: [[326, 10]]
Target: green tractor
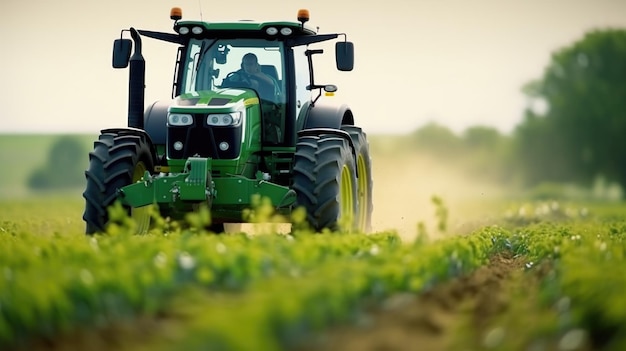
[[232, 133]]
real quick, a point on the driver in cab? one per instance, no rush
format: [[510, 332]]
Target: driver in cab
[[252, 77]]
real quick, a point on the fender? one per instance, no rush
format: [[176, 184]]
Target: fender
[[134, 131], [326, 116], [326, 119], [155, 121]]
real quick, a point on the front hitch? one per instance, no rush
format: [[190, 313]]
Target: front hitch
[[193, 184]]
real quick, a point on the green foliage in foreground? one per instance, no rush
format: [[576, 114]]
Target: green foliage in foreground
[[282, 286], [577, 255], [267, 292], [584, 280]]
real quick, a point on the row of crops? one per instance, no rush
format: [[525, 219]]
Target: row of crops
[[271, 291]]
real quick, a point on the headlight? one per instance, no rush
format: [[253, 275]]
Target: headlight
[[179, 119], [286, 31], [183, 30], [271, 31], [223, 119], [196, 30]]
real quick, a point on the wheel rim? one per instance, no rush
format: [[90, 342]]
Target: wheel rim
[[362, 192], [346, 198], [141, 215]]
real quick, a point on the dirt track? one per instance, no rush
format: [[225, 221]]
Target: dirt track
[[430, 321]]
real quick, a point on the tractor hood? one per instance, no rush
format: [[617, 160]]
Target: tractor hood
[[211, 123], [226, 99]]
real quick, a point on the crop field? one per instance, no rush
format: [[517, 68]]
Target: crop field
[[452, 264]]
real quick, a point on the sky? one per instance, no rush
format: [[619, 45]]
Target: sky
[[457, 63]]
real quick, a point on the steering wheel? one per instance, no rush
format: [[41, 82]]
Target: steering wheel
[[228, 82], [244, 80]]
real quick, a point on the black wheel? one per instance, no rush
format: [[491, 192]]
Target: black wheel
[[365, 184], [118, 159], [324, 179]]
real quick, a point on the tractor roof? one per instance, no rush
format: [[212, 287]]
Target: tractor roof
[[299, 31], [247, 26], [243, 28]]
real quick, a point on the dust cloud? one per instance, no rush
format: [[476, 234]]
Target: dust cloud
[[405, 183]]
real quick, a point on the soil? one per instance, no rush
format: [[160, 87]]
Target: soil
[[431, 320]]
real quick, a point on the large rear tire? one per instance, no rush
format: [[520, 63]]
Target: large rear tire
[[325, 182], [118, 159], [365, 184]]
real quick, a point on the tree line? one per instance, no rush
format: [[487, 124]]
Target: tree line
[[573, 130]]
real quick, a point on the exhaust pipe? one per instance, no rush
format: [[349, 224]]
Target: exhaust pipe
[[136, 84]]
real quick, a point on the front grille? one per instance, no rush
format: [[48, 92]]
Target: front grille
[[202, 140]]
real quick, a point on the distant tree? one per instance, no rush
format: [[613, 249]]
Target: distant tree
[[64, 166], [578, 131], [481, 138]]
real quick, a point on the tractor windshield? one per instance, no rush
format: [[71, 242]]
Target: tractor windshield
[[212, 64]]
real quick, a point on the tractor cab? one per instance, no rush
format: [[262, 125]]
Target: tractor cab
[[215, 69], [213, 64]]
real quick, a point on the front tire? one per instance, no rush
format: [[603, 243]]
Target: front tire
[[118, 159], [325, 182]]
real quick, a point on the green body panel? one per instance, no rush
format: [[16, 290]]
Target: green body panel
[[225, 167], [195, 186], [230, 100], [240, 190], [151, 190]]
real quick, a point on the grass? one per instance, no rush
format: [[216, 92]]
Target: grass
[[45, 215]]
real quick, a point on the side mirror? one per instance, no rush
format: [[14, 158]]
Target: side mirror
[[344, 55], [121, 52]]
